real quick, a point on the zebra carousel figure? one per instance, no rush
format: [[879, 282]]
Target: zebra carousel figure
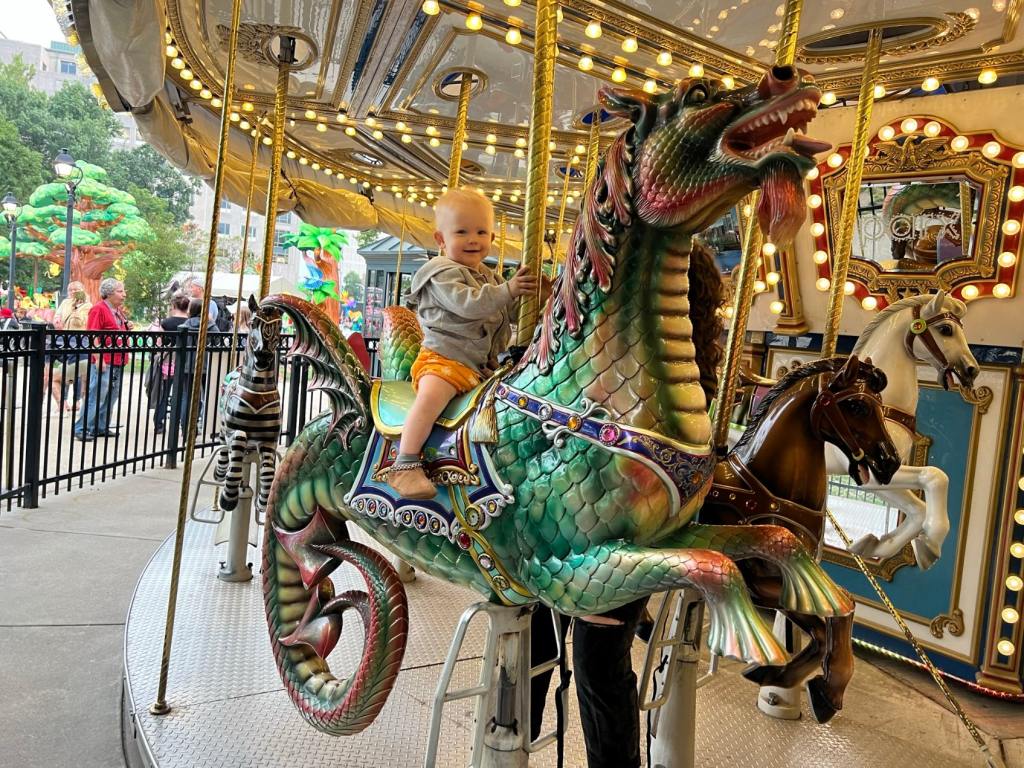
[[250, 410]]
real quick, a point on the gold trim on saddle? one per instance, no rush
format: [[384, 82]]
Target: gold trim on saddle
[[459, 469], [462, 409]]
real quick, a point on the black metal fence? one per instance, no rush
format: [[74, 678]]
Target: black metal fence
[[77, 407]]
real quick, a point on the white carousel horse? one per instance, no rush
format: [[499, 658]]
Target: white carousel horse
[[926, 329]]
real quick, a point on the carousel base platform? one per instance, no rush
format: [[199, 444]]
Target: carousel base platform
[[229, 708]]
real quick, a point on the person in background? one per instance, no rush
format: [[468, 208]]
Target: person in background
[[71, 315], [195, 310], [8, 322], [163, 361], [193, 286], [104, 387], [244, 315]]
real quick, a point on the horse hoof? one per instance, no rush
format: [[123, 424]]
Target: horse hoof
[[644, 630], [764, 674], [780, 703], [822, 709], [925, 555], [865, 545]]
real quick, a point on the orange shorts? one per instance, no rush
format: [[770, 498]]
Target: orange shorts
[[429, 363]]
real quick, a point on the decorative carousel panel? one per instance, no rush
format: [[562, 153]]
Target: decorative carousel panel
[[937, 210], [947, 605]]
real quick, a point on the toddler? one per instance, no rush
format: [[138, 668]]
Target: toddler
[[464, 310]]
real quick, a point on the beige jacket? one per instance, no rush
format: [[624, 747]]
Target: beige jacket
[[464, 313]]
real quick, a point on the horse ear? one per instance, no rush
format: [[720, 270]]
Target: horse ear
[[846, 375], [253, 305], [935, 305], [630, 103]]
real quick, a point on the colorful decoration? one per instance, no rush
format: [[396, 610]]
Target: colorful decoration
[[321, 248], [607, 401], [106, 225]]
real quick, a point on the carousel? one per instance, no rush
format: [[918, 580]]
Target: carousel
[[772, 382]]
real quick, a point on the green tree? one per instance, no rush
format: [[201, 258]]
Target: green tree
[[353, 283], [321, 248], [19, 166], [367, 237], [147, 270], [144, 167], [106, 224]]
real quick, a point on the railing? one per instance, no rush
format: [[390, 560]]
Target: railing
[[59, 427]]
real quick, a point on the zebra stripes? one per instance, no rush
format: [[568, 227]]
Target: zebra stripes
[[251, 411]]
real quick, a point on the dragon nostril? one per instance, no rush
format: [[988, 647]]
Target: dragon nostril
[[783, 73]]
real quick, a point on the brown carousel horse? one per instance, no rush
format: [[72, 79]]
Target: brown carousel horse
[[776, 475]]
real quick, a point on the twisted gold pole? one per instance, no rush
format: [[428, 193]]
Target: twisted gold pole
[[785, 53], [966, 217], [743, 299], [561, 210], [245, 246], [502, 234], [545, 50], [461, 118], [160, 706], [851, 194], [593, 148], [398, 268], [286, 59]]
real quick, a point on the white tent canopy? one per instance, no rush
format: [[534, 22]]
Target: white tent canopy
[[226, 284]]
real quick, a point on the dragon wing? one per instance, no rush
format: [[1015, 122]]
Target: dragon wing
[[336, 370]]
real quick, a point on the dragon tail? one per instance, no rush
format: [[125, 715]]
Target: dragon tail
[[400, 341]]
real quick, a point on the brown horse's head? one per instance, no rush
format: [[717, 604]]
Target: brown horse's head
[[847, 412]]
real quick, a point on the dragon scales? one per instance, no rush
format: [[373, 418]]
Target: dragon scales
[[603, 434]]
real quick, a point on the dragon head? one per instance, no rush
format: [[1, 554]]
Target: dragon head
[[700, 147]]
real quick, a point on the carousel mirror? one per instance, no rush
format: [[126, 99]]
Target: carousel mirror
[[937, 210]]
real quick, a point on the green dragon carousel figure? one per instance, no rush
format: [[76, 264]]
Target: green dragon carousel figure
[[571, 479]]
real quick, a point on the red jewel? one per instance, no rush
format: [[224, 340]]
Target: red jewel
[[463, 540]]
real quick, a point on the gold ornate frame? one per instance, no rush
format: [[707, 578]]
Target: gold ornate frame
[[908, 152]]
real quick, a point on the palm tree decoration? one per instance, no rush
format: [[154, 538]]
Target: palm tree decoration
[[321, 248]]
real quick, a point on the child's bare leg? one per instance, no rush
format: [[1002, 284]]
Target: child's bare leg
[[407, 476]]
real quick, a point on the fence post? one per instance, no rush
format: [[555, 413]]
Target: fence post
[[34, 414], [177, 392], [294, 388]]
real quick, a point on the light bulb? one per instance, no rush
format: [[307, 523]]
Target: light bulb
[[1007, 259], [822, 283], [813, 201], [434, 141], [992, 149], [817, 229], [772, 278], [769, 249], [960, 143], [513, 36], [474, 22], [697, 70], [987, 76], [930, 84], [909, 125], [932, 129], [776, 307], [970, 292], [759, 286], [350, 130], [1017, 549], [650, 86], [593, 30], [886, 132], [1010, 615], [431, 7], [630, 44], [585, 63], [878, 91], [618, 75], [1001, 290], [834, 160], [812, 174], [1005, 647], [820, 257], [664, 59], [1011, 227], [728, 82], [869, 303], [1018, 160], [321, 127], [828, 98]]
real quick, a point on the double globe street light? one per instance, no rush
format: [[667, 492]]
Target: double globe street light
[[66, 170], [10, 208]]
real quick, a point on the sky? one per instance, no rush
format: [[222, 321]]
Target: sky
[[33, 23]]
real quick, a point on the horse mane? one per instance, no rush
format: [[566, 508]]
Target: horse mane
[[606, 211], [791, 379], [958, 308]]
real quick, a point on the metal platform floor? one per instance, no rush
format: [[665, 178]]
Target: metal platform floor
[[229, 708]]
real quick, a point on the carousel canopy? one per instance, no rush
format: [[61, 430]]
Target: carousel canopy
[[372, 99]]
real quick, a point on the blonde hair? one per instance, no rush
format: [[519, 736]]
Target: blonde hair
[[454, 198]]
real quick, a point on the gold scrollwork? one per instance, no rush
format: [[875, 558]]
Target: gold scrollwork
[[953, 622], [254, 43], [936, 31], [980, 396]]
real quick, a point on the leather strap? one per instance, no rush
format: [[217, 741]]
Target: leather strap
[[921, 328], [904, 419]]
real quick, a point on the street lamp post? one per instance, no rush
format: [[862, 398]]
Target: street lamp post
[[66, 170], [10, 207]]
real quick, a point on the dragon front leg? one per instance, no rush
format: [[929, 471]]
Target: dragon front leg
[[806, 588], [613, 573]]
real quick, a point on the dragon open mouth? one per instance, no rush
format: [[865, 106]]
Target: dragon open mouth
[[777, 128]]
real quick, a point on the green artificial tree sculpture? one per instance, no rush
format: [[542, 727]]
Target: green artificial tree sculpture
[[321, 248], [106, 224]]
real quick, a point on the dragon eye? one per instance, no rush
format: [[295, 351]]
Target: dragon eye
[[696, 95]]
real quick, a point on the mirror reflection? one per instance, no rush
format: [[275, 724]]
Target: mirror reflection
[[723, 237], [916, 226]]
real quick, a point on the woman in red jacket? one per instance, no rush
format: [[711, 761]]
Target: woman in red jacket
[[104, 387]]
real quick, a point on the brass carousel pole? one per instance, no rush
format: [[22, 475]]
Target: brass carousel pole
[[851, 194], [461, 118], [743, 297], [398, 269], [286, 57], [245, 246], [561, 209], [545, 49], [593, 147], [966, 217], [502, 234], [160, 706]]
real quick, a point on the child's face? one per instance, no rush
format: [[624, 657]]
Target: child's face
[[466, 230]]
